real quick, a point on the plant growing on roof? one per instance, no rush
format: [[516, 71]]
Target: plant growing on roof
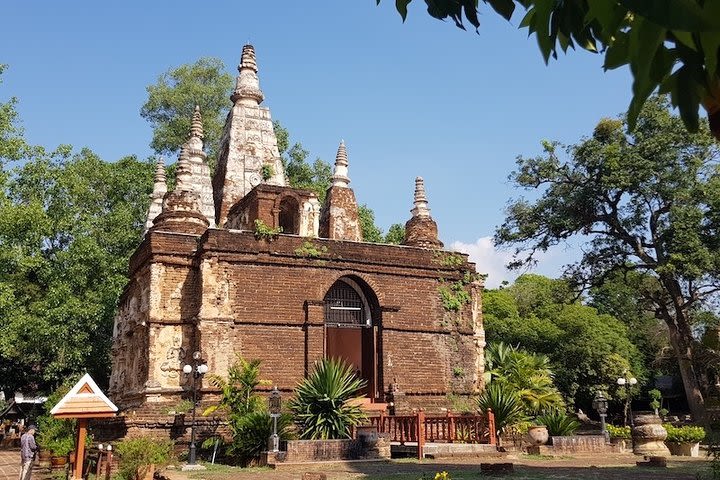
[[267, 171], [310, 250], [265, 232], [323, 402]]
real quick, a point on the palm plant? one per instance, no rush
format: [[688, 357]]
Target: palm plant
[[527, 374], [505, 404], [558, 423], [238, 392], [251, 433], [322, 403]]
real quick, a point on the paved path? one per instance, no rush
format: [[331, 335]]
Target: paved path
[[9, 464]]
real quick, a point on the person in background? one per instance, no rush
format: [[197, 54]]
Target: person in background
[[28, 448]]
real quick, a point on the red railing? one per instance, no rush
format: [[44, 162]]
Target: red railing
[[449, 428]]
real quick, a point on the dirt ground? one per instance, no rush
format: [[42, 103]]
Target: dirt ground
[[527, 467]]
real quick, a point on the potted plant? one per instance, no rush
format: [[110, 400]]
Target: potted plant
[[685, 440], [537, 434], [60, 449], [558, 423]]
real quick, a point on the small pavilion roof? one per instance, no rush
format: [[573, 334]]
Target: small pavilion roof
[[84, 400]]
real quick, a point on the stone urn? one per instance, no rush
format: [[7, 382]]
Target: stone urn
[[538, 435], [649, 435]]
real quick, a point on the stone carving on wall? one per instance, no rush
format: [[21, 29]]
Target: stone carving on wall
[[479, 333], [174, 359]]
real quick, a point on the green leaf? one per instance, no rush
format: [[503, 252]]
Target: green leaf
[[688, 101], [541, 26], [685, 38], [470, 8], [527, 20], [662, 64], [503, 7], [645, 38], [607, 14], [401, 6], [684, 15], [642, 88], [710, 43], [618, 53]]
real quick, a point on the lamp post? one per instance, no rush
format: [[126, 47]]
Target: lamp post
[[274, 407], [600, 404], [627, 382], [197, 369]]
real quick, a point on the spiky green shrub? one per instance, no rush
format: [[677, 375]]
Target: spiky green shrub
[[558, 423], [322, 402], [251, 433], [247, 416], [505, 404]]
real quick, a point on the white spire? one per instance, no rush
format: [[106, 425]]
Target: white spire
[[340, 174], [247, 85], [183, 172], [421, 204], [158, 193], [160, 176]]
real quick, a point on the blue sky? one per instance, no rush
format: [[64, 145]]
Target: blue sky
[[420, 98]]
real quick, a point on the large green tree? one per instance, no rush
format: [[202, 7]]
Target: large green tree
[[646, 200], [672, 45], [68, 224], [588, 351], [172, 99]]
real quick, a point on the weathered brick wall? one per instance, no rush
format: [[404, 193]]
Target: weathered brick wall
[[227, 293], [302, 451]]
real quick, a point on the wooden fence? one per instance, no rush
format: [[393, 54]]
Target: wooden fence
[[420, 428]]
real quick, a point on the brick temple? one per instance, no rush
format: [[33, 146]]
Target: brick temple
[[213, 275]]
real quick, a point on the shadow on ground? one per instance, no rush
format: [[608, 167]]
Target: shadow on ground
[[461, 469]]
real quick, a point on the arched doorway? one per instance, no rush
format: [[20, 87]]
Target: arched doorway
[[289, 216], [351, 329]]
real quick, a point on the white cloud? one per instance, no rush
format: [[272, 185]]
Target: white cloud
[[488, 260], [492, 261]]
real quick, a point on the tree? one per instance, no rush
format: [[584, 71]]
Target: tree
[[395, 234], [587, 351], [249, 422], [301, 174], [370, 232], [172, 99], [652, 37], [68, 224], [526, 374], [619, 297], [648, 201]]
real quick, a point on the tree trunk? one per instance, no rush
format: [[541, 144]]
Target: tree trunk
[[684, 354]]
